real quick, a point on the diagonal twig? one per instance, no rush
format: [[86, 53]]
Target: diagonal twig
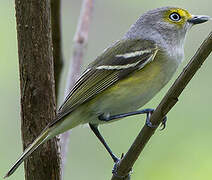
[[167, 103], [80, 42]]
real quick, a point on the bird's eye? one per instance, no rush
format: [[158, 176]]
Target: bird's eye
[[175, 16]]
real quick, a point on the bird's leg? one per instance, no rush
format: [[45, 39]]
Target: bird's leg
[[94, 128], [116, 160], [108, 118]]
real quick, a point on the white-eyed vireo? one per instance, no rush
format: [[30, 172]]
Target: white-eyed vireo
[[125, 76]]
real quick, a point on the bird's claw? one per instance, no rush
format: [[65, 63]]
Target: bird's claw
[[149, 123], [114, 170], [163, 124]]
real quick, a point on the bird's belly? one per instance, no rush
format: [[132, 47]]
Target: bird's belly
[[127, 95], [132, 92]]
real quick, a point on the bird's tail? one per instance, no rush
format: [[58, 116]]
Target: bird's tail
[[38, 141]]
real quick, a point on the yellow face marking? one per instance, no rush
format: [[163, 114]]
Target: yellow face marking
[[183, 14]]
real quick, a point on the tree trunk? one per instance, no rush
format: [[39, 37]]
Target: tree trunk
[[37, 86]]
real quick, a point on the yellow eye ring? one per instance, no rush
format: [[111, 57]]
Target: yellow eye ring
[[175, 17]]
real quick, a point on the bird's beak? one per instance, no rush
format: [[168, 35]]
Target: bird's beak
[[198, 19]]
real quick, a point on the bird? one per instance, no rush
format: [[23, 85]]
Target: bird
[[124, 77]]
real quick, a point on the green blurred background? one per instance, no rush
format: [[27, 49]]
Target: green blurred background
[[181, 151]]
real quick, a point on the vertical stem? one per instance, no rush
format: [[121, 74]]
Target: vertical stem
[[80, 42], [56, 41]]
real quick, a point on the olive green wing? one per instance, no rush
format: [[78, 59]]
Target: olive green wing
[[116, 62]]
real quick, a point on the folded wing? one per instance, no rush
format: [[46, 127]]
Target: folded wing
[[116, 62]]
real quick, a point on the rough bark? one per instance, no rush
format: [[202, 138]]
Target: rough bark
[[37, 86]]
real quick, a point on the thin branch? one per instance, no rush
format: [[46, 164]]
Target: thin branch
[[167, 103], [80, 42], [56, 41]]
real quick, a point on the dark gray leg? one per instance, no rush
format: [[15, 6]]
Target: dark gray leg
[[94, 128], [107, 118]]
